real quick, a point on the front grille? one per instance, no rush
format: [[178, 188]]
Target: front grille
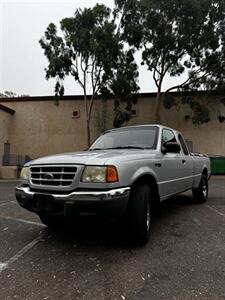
[[52, 175]]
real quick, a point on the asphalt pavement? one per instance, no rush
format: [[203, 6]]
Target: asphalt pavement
[[184, 259]]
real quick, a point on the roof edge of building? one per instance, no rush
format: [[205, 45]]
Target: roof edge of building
[[81, 97]]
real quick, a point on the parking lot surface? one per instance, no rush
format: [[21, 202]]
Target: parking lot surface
[[184, 259]]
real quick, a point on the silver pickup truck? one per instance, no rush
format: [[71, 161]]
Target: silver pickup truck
[[125, 174]]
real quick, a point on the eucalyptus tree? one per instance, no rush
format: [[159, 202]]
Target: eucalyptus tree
[[177, 37], [89, 49], [122, 86], [8, 94]]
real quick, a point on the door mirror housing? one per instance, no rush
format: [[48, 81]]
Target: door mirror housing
[[171, 147]]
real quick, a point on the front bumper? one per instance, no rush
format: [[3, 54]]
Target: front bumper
[[107, 204]]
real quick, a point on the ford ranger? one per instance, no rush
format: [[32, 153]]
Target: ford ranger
[[123, 175]]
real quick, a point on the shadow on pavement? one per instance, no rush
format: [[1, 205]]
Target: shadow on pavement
[[115, 234]]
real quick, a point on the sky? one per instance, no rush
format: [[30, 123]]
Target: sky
[[22, 61]]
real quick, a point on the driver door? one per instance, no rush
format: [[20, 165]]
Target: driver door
[[171, 171]]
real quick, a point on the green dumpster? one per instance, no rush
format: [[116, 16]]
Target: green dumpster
[[217, 165]]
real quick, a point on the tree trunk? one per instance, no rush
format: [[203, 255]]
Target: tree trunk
[[88, 132], [156, 112], [87, 120]]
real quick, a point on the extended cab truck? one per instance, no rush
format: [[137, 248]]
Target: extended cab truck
[[125, 173]]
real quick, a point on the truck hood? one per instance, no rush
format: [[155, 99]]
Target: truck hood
[[100, 157]]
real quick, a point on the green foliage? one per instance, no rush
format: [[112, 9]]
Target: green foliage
[[200, 113], [121, 117], [186, 100], [169, 101], [87, 49], [177, 37], [8, 94], [91, 51], [123, 87]]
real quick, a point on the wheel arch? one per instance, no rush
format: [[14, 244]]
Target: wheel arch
[[150, 180], [197, 180], [205, 171]]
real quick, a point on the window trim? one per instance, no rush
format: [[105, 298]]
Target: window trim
[[167, 129], [155, 128], [188, 152]]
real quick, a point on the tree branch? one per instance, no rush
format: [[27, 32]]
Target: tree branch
[[188, 81], [155, 79], [77, 76]]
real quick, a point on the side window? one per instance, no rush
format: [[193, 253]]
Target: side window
[[168, 136], [183, 145]]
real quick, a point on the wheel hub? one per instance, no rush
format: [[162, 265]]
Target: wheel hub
[[204, 190], [148, 217]]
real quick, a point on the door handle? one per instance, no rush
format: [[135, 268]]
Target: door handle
[[184, 161]]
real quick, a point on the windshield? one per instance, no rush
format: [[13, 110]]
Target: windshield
[[128, 138]]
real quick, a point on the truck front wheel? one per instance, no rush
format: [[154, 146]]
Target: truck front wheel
[[201, 193], [49, 221], [139, 213]]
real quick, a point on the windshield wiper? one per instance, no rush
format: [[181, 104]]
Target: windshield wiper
[[128, 147], [121, 147], [93, 149]]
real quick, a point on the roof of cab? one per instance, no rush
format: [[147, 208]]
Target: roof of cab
[[138, 126]]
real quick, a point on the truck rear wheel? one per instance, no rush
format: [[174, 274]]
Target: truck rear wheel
[[139, 213], [201, 193]]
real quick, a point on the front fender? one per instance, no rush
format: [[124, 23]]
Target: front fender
[[143, 171]]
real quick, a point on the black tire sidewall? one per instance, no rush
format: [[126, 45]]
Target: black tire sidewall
[[49, 221], [198, 193], [137, 213]]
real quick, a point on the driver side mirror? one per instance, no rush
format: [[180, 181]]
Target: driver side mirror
[[171, 147]]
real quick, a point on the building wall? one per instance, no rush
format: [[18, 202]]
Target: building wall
[[207, 138], [41, 128], [5, 124]]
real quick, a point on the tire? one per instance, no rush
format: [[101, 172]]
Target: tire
[[50, 221], [139, 214], [200, 194]]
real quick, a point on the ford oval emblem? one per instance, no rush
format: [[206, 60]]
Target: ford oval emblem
[[48, 176]]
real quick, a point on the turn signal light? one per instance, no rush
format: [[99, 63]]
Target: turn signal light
[[111, 174]]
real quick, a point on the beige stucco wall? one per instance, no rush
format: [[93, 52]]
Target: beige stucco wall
[[41, 128], [207, 138], [5, 125]]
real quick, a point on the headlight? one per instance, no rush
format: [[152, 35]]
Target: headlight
[[24, 174], [99, 174]]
